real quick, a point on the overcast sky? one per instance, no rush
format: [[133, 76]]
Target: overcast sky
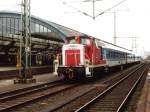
[[132, 18]]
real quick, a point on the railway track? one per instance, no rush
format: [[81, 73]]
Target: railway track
[[114, 97], [12, 93], [86, 95], [14, 99], [57, 93]]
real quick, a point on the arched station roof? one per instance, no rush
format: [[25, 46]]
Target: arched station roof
[[45, 34], [40, 28]]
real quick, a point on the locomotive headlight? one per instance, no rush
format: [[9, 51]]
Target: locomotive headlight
[[55, 61], [87, 62]]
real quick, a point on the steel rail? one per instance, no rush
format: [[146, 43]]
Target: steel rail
[[136, 83], [55, 108], [13, 92], [29, 91], [52, 109], [129, 71], [21, 102], [104, 92]]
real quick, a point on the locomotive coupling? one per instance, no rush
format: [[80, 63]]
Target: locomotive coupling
[[70, 73], [69, 70]]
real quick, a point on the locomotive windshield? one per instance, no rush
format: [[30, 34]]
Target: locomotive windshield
[[79, 40], [85, 41], [72, 41]]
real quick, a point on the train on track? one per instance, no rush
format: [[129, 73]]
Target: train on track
[[83, 56]]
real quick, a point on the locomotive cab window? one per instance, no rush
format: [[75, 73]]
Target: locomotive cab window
[[72, 41], [85, 41]]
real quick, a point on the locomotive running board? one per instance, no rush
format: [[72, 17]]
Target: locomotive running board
[[89, 75]]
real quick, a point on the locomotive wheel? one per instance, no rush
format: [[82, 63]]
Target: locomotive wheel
[[61, 75]]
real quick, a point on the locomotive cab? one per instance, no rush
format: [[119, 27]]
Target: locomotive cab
[[74, 58]]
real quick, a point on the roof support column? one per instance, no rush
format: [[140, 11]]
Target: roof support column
[[25, 75]]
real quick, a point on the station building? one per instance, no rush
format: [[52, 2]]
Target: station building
[[46, 38]]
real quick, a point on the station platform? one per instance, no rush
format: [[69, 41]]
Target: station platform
[[10, 68], [8, 84], [144, 101], [11, 72]]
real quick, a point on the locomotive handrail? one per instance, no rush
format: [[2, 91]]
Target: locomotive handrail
[[86, 55]]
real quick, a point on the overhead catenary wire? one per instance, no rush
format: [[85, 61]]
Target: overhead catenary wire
[[94, 17], [110, 8], [76, 1], [86, 14]]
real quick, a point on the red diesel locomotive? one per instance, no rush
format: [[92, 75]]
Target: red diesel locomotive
[[82, 56]]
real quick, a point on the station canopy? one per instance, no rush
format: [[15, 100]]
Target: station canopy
[[44, 34]]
